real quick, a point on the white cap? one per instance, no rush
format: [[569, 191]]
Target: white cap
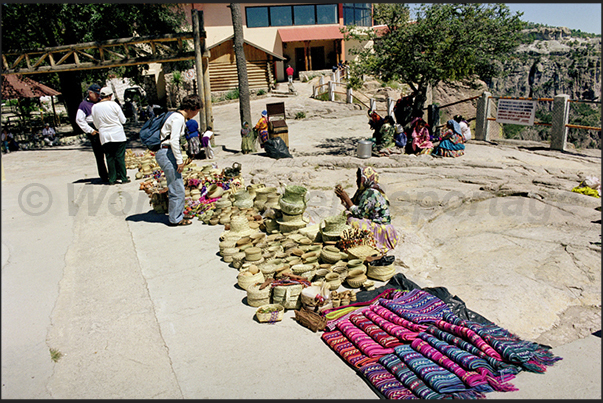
[[106, 91]]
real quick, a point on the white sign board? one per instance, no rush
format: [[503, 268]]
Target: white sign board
[[516, 111]]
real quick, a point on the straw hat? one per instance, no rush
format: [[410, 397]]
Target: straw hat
[[330, 254], [331, 227], [223, 202], [239, 228], [242, 199], [214, 191], [253, 254]]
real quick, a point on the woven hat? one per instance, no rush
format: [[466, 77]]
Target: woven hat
[[214, 191], [239, 228], [223, 202], [331, 227], [242, 199], [292, 220]]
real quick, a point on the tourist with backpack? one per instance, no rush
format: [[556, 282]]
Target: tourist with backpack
[[169, 156]]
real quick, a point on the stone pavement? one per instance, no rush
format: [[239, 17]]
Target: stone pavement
[[139, 309]]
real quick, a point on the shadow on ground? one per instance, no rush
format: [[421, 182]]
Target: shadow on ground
[[334, 146], [150, 216]]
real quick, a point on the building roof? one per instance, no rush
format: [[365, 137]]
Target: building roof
[[231, 37], [313, 33], [19, 86]]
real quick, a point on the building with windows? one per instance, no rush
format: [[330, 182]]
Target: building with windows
[[306, 36]]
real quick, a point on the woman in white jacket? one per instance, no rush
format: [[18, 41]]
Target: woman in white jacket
[[108, 118]]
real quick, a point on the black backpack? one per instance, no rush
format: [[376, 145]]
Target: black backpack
[[150, 134]]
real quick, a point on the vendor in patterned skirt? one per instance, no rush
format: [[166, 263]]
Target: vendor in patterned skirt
[[368, 209], [451, 142]]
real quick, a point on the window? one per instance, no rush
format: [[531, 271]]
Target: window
[[357, 14], [307, 14], [304, 15], [280, 16], [326, 14], [257, 17]]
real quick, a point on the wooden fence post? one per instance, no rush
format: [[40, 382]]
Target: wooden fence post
[[331, 91], [349, 98], [481, 117], [558, 122]]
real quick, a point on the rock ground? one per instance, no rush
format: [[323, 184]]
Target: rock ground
[[137, 317]]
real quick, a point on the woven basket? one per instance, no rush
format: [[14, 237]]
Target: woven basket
[[330, 254], [269, 268], [356, 282], [245, 281], [287, 295], [300, 269], [257, 297], [381, 273], [270, 313], [362, 251], [333, 280], [357, 271], [238, 259]]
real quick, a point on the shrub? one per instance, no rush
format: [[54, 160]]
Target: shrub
[[300, 115]]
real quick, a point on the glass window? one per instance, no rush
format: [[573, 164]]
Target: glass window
[[257, 17], [304, 15], [326, 14], [357, 14], [280, 16]]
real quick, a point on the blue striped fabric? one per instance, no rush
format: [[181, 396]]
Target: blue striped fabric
[[439, 379]]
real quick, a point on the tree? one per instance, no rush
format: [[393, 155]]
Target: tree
[[238, 40], [33, 26], [446, 43]]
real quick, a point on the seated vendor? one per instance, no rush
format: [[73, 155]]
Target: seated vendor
[[369, 209]]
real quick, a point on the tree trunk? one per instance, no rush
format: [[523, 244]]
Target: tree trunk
[[72, 95], [237, 24]]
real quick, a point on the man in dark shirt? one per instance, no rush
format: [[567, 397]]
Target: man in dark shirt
[[84, 120]]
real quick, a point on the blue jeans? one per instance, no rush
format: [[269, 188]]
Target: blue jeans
[[166, 160]]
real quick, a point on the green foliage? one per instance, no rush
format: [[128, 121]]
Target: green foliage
[[232, 94], [177, 78], [27, 26], [261, 91], [446, 43], [323, 97], [512, 131], [300, 115], [55, 355]]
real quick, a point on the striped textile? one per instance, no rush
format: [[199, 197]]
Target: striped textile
[[437, 378], [362, 341], [397, 331], [346, 349], [417, 306], [381, 378], [369, 327], [411, 345], [527, 354]]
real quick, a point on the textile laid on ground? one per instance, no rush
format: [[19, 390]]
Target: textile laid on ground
[[410, 344]]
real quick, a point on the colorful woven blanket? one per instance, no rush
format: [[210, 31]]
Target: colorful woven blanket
[[411, 345]]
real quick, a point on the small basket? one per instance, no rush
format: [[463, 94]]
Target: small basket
[[245, 281], [287, 295], [381, 273], [356, 282], [270, 313], [257, 297]]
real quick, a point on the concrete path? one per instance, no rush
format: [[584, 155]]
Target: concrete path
[[141, 310]]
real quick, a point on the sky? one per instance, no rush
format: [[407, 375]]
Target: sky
[[583, 16]]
